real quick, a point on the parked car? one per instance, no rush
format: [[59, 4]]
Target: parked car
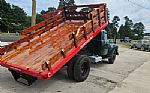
[[125, 39], [141, 44]]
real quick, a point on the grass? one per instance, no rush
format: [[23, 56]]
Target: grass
[[8, 34], [125, 45]]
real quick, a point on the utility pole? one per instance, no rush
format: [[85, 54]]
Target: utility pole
[[33, 21]]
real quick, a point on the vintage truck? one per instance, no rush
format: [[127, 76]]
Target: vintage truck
[[68, 37]]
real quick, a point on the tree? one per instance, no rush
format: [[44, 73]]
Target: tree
[[122, 32], [127, 29], [63, 3], [39, 18], [86, 9], [12, 17], [139, 29], [112, 27], [5, 11], [50, 9]]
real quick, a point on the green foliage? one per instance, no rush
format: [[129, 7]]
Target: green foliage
[[112, 27], [39, 18], [86, 9], [63, 3], [131, 30], [50, 9], [146, 34], [128, 29], [12, 18], [139, 29]]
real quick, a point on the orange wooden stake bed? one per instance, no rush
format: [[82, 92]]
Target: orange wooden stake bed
[[51, 44]]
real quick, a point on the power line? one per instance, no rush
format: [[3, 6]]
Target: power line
[[139, 5]]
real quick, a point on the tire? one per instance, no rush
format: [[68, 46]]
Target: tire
[[133, 46], [130, 47], [142, 48], [70, 68], [148, 49], [79, 68], [111, 60]]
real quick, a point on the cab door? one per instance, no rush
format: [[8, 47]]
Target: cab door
[[104, 43]]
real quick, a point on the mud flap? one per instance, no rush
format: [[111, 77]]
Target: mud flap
[[23, 78]]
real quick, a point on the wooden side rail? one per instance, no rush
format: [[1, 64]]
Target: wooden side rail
[[83, 6], [53, 13], [42, 24], [98, 16]]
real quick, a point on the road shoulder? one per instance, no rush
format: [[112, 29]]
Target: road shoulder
[[137, 82]]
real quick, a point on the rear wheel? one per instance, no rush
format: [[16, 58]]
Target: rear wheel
[[142, 48], [112, 58], [131, 46], [149, 49], [79, 68]]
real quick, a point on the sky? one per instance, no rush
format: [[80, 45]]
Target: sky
[[137, 10]]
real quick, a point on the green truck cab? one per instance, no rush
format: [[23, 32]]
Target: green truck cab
[[100, 46]]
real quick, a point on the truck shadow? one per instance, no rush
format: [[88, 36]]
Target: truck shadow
[[99, 64], [9, 84]]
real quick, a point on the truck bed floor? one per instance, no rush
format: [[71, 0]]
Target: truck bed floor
[[37, 58]]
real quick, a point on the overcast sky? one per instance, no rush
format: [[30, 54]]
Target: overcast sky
[[140, 11]]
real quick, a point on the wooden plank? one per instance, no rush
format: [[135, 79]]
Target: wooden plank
[[55, 12], [88, 26], [52, 42], [25, 39], [95, 20], [90, 6], [101, 8], [76, 18], [42, 24], [99, 17], [102, 14], [58, 22], [76, 13], [94, 13]]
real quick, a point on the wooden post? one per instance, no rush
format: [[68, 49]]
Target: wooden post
[[33, 22], [91, 17], [64, 14], [105, 12], [75, 41], [85, 34], [99, 17], [63, 53]]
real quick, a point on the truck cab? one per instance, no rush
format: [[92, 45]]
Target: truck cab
[[100, 46]]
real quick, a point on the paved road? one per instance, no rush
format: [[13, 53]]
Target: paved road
[[103, 77], [137, 82]]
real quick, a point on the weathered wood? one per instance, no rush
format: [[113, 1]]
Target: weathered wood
[[51, 40], [94, 13], [51, 14], [99, 17], [80, 6], [40, 25], [76, 18], [76, 13]]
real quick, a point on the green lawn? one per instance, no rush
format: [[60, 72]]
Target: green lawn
[[8, 34]]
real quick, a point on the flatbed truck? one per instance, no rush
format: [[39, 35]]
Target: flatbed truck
[[67, 37]]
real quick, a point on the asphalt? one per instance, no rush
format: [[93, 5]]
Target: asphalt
[[103, 77], [136, 82]]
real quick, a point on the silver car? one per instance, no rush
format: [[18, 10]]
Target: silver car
[[141, 44]]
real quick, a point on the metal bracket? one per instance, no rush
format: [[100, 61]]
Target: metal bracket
[[23, 78]]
